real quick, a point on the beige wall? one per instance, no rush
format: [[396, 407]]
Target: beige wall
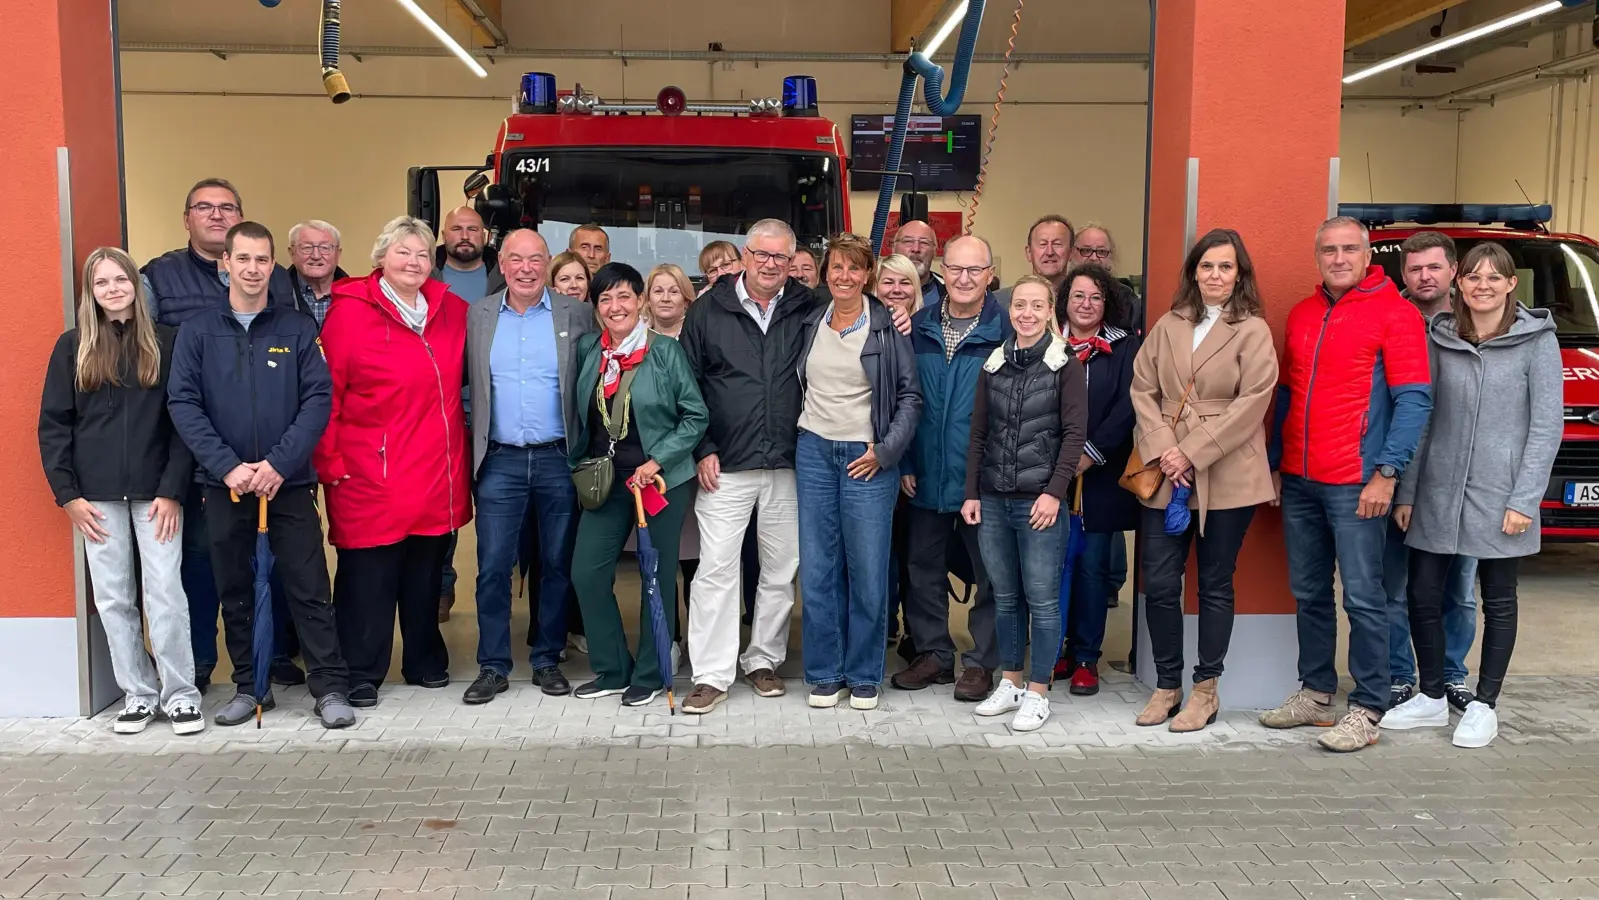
[[1073, 142]]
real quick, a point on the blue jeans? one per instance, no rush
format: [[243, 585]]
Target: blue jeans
[[845, 530], [510, 480], [1459, 612], [199, 583], [1023, 564], [1321, 529], [1093, 584]]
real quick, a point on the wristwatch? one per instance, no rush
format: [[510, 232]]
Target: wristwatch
[[1387, 471]]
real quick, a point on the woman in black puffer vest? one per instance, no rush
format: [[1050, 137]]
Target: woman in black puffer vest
[[1029, 423]]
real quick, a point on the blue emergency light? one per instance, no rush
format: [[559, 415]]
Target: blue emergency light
[[1523, 216], [537, 93], [799, 96]]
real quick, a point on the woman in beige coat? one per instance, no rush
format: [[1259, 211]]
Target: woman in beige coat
[[1201, 385]]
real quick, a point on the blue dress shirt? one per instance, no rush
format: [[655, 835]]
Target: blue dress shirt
[[525, 382]]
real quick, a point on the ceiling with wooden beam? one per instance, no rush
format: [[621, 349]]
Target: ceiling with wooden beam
[[488, 28], [1368, 19], [909, 18]]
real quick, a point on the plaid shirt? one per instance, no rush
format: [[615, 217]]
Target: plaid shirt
[[316, 306], [859, 323], [954, 334]]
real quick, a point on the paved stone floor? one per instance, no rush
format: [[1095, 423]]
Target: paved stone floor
[[561, 799]]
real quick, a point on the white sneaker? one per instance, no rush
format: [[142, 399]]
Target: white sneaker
[[1005, 698], [1478, 727], [1420, 711], [1033, 714], [579, 642]]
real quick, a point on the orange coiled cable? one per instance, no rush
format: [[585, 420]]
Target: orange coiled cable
[[993, 123]]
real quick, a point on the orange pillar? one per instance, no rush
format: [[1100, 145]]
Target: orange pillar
[[61, 152], [1245, 113]]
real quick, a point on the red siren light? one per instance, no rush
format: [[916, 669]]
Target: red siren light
[[671, 101]]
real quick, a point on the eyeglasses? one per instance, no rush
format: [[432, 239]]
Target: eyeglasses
[[762, 257], [1079, 296], [969, 272], [1094, 252], [207, 209], [1472, 279], [318, 249]]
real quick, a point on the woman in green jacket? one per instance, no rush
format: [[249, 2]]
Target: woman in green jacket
[[663, 419]]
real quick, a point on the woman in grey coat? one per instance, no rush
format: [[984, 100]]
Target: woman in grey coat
[[1478, 477]]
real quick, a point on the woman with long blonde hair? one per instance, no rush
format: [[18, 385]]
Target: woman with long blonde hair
[[118, 468]]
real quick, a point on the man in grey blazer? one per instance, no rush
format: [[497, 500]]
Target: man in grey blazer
[[520, 360]]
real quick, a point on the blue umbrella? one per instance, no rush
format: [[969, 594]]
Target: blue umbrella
[[263, 635], [1074, 551], [648, 561], [1177, 513]]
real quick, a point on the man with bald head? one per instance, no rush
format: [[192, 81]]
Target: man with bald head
[[521, 366], [464, 261], [917, 241], [592, 245], [952, 338]]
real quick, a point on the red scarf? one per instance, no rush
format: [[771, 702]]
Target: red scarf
[[613, 362], [1087, 347]]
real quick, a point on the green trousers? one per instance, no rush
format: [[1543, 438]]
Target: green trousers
[[601, 534]]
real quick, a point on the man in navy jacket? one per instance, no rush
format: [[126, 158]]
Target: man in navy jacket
[[250, 394]]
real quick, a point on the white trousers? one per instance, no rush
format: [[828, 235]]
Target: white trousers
[[166, 607], [713, 616]]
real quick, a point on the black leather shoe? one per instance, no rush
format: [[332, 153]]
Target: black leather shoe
[[364, 696], [431, 682], [551, 681], [488, 683]]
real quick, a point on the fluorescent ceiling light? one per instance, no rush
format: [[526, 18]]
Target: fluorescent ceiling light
[[1455, 40], [944, 30], [443, 37]]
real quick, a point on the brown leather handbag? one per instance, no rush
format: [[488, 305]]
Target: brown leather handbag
[[1142, 478]]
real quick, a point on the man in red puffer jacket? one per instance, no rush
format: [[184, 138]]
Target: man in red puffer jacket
[[1353, 402]]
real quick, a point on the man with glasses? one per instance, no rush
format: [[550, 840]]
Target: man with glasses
[[314, 254], [1094, 244], [181, 284], [917, 241], [743, 340], [952, 339], [1048, 251]]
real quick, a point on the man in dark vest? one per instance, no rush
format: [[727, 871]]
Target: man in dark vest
[[181, 284]]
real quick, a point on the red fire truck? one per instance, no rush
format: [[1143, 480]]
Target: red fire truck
[[663, 179], [1555, 271]]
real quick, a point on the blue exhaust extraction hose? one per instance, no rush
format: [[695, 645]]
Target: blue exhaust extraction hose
[[918, 66]]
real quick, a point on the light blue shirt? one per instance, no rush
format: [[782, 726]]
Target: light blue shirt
[[468, 284], [524, 377]]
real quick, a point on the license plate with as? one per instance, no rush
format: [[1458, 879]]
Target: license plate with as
[[1582, 493]]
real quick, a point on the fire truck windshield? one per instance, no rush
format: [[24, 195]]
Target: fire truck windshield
[[662, 205], [1557, 275]]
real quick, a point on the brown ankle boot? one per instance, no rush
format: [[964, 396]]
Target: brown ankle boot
[[1163, 704], [1201, 708]]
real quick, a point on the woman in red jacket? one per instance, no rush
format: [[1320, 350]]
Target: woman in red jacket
[[394, 457]]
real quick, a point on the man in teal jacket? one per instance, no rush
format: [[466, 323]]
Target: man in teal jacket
[[951, 339]]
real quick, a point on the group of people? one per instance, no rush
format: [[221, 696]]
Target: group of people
[[821, 416]]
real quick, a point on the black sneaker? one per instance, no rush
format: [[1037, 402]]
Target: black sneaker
[[364, 696], [826, 696], [639, 696], [593, 691], [552, 681], [431, 682], [863, 696], [487, 684], [133, 720], [1399, 693], [1459, 696], [186, 720], [286, 673]]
